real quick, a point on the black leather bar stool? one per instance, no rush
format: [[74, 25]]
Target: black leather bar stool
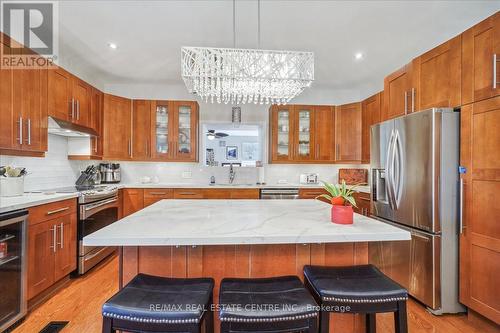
[[280, 304], [356, 289], [157, 304]]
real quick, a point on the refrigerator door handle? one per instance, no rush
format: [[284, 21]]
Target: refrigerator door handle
[[389, 170], [398, 159]]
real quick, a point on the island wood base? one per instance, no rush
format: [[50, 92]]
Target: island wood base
[[244, 261]]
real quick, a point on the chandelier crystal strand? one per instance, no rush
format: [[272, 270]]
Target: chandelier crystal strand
[[239, 76]]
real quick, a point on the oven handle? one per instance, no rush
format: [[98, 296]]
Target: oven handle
[[89, 210]]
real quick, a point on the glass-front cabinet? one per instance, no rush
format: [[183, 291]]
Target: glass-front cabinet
[[175, 130], [186, 127], [161, 129], [281, 133], [303, 139]]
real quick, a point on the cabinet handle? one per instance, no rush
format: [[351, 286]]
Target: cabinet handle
[[337, 151], [406, 102], [317, 151], [412, 99], [54, 235], [20, 139], [29, 132], [187, 193], [62, 235], [72, 108], [57, 211], [494, 71], [461, 204], [77, 110], [157, 193], [130, 148]]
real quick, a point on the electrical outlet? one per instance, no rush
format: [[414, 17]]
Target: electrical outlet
[[187, 175]]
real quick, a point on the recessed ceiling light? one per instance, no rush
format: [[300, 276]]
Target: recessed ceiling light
[[359, 56], [112, 46]]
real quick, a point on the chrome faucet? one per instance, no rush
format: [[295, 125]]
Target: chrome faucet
[[232, 173]]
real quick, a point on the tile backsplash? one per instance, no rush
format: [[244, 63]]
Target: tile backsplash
[[55, 170]]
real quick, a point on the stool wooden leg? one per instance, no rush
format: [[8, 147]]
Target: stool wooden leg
[[209, 321], [107, 325], [324, 321], [400, 318], [371, 323], [313, 325]]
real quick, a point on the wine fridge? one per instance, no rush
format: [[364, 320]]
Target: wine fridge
[[13, 270]]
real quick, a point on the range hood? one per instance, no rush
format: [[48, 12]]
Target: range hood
[[65, 128]]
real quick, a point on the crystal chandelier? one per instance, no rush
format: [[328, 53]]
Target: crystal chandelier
[[239, 76]]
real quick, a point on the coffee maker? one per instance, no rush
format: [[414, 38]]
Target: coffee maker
[[110, 172]]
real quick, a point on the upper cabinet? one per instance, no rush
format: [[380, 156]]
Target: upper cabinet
[[281, 133], [481, 60], [117, 130], [324, 133], [306, 133], [399, 93], [141, 129], [303, 118], [69, 98], [371, 114], [348, 133], [437, 76], [185, 131], [23, 107], [96, 121]]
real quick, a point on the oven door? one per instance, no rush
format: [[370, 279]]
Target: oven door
[[95, 216]]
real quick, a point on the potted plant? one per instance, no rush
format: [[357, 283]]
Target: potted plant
[[342, 200]]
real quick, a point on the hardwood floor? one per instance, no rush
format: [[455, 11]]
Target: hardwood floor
[[81, 300]]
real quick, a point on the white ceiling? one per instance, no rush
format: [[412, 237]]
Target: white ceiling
[[150, 34]]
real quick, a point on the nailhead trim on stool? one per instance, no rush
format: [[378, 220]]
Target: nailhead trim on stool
[[150, 320], [269, 320], [361, 300]]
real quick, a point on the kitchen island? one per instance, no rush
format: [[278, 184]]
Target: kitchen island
[[241, 238]]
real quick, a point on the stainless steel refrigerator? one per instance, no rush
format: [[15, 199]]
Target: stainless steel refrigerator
[[414, 180]]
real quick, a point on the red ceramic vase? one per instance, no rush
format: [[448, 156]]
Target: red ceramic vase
[[342, 214]]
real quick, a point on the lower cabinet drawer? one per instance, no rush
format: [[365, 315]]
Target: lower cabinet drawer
[[153, 195], [188, 193], [51, 210], [247, 193]]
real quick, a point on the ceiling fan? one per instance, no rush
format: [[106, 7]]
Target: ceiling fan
[[212, 134]]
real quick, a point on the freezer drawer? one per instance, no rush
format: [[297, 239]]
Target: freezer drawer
[[413, 264]]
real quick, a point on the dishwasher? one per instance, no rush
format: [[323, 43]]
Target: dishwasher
[[279, 193]]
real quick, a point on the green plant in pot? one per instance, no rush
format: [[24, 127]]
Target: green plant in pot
[[342, 200]]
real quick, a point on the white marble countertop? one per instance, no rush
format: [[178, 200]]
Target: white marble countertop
[[364, 189], [225, 222], [26, 200]]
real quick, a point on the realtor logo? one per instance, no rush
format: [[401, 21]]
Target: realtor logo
[[31, 25]]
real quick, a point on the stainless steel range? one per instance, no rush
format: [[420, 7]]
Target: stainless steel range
[[97, 208]]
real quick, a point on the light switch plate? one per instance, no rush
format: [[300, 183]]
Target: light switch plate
[[187, 175]]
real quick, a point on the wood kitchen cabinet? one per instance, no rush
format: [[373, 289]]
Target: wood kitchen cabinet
[[132, 200], [174, 126], [324, 133], [362, 203], [51, 244], [348, 133], [399, 93], [154, 195], [480, 230], [69, 98], [96, 122], [437, 77], [141, 129], [117, 129], [481, 60], [371, 113], [281, 126], [23, 107], [301, 134]]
